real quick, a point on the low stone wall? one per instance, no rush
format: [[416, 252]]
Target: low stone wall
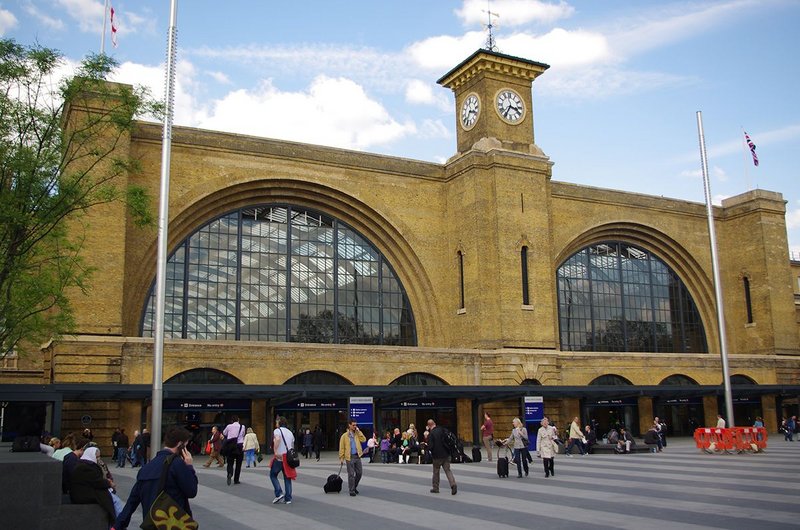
[[30, 496]]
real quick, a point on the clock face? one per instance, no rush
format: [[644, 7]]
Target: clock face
[[470, 110], [509, 106]]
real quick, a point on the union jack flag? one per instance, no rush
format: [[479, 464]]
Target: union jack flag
[[752, 147]]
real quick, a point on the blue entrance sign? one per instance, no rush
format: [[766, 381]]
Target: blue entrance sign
[[534, 414], [362, 410]]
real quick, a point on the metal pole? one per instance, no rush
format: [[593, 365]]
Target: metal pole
[[105, 19], [726, 380], [163, 221]]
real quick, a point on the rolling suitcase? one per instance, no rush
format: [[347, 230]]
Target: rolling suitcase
[[334, 482], [502, 465], [476, 454]]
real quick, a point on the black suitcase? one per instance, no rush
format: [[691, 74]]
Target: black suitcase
[[502, 467], [476, 454], [334, 482]]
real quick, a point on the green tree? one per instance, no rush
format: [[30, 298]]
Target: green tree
[[58, 158]]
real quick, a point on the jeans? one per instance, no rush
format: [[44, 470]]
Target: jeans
[[122, 455], [275, 468], [521, 460], [250, 457], [574, 441], [354, 471]]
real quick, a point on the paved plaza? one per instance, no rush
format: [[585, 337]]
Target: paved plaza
[[679, 488]]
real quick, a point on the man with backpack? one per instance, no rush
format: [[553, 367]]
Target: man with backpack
[[440, 443]]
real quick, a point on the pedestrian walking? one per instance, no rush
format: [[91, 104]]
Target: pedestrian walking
[[122, 447], [282, 439], [720, 422], [441, 457], [216, 445], [519, 443], [350, 452], [575, 437], [319, 441], [234, 431], [181, 480], [250, 447], [487, 433], [546, 448]]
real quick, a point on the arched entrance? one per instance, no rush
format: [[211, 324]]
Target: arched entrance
[[306, 414], [199, 414], [612, 412], [746, 407], [417, 410], [681, 414]]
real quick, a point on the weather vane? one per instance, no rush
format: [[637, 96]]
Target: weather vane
[[490, 42]]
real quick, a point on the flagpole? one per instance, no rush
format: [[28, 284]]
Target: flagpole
[[726, 380], [105, 19], [163, 221]]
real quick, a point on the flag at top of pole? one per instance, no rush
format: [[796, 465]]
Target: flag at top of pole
[[114, 30], [752, 147]]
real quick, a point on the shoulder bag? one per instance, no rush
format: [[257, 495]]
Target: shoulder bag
[[291, 454], [231, 445], [165, 513]]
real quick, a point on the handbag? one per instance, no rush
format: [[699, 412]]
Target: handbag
[[208, 447], [165, 513], [230, 446], [291, 454]]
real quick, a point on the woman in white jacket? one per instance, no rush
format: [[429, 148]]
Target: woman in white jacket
[[250, 447], [546, 448]]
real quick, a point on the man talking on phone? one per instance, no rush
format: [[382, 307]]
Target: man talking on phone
[[350, 451], [181, 483]]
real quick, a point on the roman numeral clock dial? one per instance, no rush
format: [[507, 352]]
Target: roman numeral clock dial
[[509, 106], [470, 110]]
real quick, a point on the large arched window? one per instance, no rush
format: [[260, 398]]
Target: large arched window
[[613, 296], [282, 273]]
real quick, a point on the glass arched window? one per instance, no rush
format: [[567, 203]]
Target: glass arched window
[[739, 379], [613, 296], [678, 380], [317, 377], [418, 379], [610, 380], [203, 376], [282, 273]]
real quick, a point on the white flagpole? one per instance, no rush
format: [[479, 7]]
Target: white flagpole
[[163, 222], [105, 20], [726, 380]]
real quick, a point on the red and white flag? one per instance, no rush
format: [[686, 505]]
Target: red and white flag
[[113, 29]]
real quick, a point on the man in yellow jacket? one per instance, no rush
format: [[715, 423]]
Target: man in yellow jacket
[[350, 452]]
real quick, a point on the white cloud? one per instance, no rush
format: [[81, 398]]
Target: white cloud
[[7, 21], [793, 219], [220, 77], [90, 15], [672, 23], [332, 111], [737, 144], [418, 91], [434, 129], [39, 14], [441, 53], [716, 200], [513, 12], [717, 173], [559, 47]]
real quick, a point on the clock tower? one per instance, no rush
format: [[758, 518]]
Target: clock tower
[[493, 101]]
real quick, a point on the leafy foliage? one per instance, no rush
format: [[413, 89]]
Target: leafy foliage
[[59, 157]]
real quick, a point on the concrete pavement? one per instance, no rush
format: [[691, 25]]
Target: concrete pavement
[[679, 488]]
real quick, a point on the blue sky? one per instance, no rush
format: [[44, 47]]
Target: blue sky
[[615, 110]]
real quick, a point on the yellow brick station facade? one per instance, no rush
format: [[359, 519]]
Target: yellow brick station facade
[[453, 235]]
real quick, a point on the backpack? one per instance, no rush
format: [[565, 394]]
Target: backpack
[[450, 442]]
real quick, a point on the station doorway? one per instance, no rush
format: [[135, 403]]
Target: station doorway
[[306, 414], [198, 416]]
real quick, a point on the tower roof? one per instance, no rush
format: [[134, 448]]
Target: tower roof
[[483, 60]]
